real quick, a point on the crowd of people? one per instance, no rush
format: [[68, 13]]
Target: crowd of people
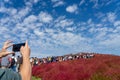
[[14, 62], [39, 61]]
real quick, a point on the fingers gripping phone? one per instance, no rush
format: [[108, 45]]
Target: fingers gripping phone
[[16, 47]]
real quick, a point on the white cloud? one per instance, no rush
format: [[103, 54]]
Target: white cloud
[[109, 2], [54, 0], [30, 2], [30, 19], [4, 21], [70, 29], [14, 15], [23, 12], [63, 22], [117, 23], [67, 38], [3, 30], [6, 0], [89, 21], [112, 42], [9, 11], [82, 2], [101, 35], [35, 1], [107, 17], [57, 3], [45, 17], [38, 33], [95, 3], [99, 15], [60, 3], [72, 8], [49, 30], [111, 17], [96, 30]]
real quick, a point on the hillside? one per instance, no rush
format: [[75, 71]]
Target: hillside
[[100, 67]]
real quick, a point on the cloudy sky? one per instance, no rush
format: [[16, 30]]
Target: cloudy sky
[[58, 27]]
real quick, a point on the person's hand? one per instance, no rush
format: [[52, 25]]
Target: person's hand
[[25, 67], [6, 45], [25, 50]]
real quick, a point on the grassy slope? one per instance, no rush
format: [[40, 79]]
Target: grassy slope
[[34, 78], [101, 67]]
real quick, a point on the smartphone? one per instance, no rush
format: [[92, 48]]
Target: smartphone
[[16, 47]]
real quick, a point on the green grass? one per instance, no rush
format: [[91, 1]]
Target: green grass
[[34, 78], [100, 77]]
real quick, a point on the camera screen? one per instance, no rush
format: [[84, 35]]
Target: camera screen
[[16, 47]]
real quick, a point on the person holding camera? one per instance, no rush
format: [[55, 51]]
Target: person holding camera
[[25, 68]]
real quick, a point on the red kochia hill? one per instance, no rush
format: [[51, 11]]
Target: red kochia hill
[[100, 67]]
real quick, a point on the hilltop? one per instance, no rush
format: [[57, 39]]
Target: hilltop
[[100, 67]]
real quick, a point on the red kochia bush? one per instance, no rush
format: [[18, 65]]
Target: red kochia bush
[[81, 69]]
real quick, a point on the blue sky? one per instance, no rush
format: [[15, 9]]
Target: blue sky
[[58, 27]]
